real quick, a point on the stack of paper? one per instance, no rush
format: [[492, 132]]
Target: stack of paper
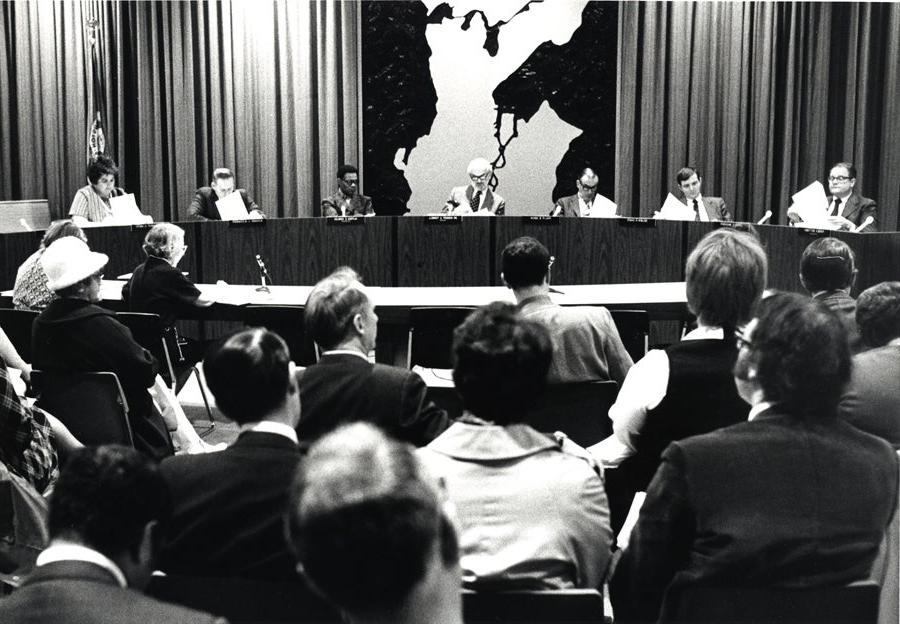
[[126, 212], [673, 210], [603, 208], [231, 208], [811, 206]]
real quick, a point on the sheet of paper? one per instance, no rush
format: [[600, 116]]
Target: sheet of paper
[[810, 204], [231, 208], [603, 208], [125, 210], [673, 210]]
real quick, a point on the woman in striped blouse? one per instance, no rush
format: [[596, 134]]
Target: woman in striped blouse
[[91, 203]]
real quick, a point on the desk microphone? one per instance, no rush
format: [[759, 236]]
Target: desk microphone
[[765, 218], [869, 221], [263, 274], [556, 210]]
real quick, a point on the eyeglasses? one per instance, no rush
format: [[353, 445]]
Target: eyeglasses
[[479, 178], [838, 178], [742, 340], [588, 187]]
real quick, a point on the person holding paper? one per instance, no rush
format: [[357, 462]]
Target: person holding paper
[[704, 208], [477, 197], [91, 203], [586, 202], [204, 208], [347, 200], [846, 207]]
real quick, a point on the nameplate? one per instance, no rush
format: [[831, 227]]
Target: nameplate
[[544, 219], [645, 222], [443, 219], [347, 220], [140, 227], [816, 232], [241, 223]]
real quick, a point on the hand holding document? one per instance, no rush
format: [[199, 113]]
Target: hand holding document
[[126, 212], [674, 210], [811, 207], [603, 208], [231, 208]]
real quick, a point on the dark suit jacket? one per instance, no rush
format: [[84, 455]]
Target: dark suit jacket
[[715, 207], [343, 388], [844, 306], [778, 501], [203, 206], [228, 507], [359, 205], [70, 592], [857, 209]]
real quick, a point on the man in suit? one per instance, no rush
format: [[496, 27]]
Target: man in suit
[[828, 272], [794, 497], [477, 197], [105, 517], [203, 206], [705, 208], [347, 200], [586, 343], [370, 531], [846, 206], [583, 203], [228, 505], [344, 386]]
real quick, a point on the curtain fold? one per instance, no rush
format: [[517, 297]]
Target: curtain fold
[[268, 89], [761, 97]]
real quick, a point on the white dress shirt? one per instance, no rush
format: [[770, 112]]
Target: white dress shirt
[[67, 551]]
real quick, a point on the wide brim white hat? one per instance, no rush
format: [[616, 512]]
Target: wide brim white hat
[[69, 260]]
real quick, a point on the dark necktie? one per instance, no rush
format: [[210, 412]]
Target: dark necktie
[[696, 211], [836, 211], [475, 201]]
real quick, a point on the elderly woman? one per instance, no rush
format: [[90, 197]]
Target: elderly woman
[[532, 508], [30, 291], [91, 203]]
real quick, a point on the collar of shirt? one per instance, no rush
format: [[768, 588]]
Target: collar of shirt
[[67, 551], [758, 409], [705, 333], [346, 352], [584, 207], [268, 426]]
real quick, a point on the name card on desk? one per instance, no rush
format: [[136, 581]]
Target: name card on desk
[[443, 219], [348, 220], [545, 219], [247, 223], [141, 226], [814, 232], [648, 222]]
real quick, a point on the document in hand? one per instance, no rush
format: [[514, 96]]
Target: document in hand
[[603, 208], [231, 207], [126, 212], [674, 210], [811, 206]]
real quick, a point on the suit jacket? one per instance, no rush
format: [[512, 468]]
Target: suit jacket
[[203, 206], [79, 592], [228, 507], [844, 306], [461, 197], [569, 205], [871, 401], [359, 205], [344, 388], [778, 501], [715, 207], [857, 209]]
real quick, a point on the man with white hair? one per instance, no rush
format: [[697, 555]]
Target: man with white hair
[[477, 197]]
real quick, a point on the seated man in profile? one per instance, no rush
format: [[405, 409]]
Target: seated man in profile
[[795, 497], [228, 505], [477, 197], [586, 343], [105, 516], [203, 206], [828, 272], [368, 529], [871, 401], [347, 200], [583, 203], [705, 208]]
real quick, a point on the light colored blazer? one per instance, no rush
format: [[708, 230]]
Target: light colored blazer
[[461, 196]]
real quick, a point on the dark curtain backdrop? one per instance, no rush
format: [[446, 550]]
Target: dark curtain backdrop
[[761, 96], [269, 89]]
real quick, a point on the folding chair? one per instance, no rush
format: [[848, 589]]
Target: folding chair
[[580, 410], [17, 325], [287, 322], [431, 335]]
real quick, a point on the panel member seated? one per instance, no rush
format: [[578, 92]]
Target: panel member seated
[[343, 386], [91, 202], [203, 207], [586, 343], [347, 200], [583, 203], [847, 203], [477, 197], [705, 208]]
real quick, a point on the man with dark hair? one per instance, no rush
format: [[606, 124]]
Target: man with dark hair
[[228, 505], [347, 200], [705, 208], [583, 203], [367, 526], [871, 401], [532, 508], [344, 386], [105, 516], [828, 272], [203, 206], [796, 497], [586, 343], [845, 205]]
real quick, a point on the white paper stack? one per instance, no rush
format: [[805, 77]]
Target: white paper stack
[[126, 212], [603, 208], [810, 205], [231, 208], [673, 210]]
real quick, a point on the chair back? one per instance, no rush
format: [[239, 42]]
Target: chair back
[[17, 325], [580, 410], [91, 405], [856, 603], [561, 605], [287, 322], [431, 335], [148, 331], [634, 330]]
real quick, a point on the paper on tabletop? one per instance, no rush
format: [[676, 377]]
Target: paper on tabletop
[[125, 210], [231, 207], [603, 207], [673, 210], [811, 206]]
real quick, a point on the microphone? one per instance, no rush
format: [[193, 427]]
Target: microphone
[[263, 274], [765, 218], [556, 210], [25, 225], [868, 221]]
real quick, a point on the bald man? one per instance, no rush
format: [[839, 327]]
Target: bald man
[[583, 203]]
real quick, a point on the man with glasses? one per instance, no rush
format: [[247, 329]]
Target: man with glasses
[[847, 208], [583, 203], [477, 197], [347, 200], [705, 208]]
